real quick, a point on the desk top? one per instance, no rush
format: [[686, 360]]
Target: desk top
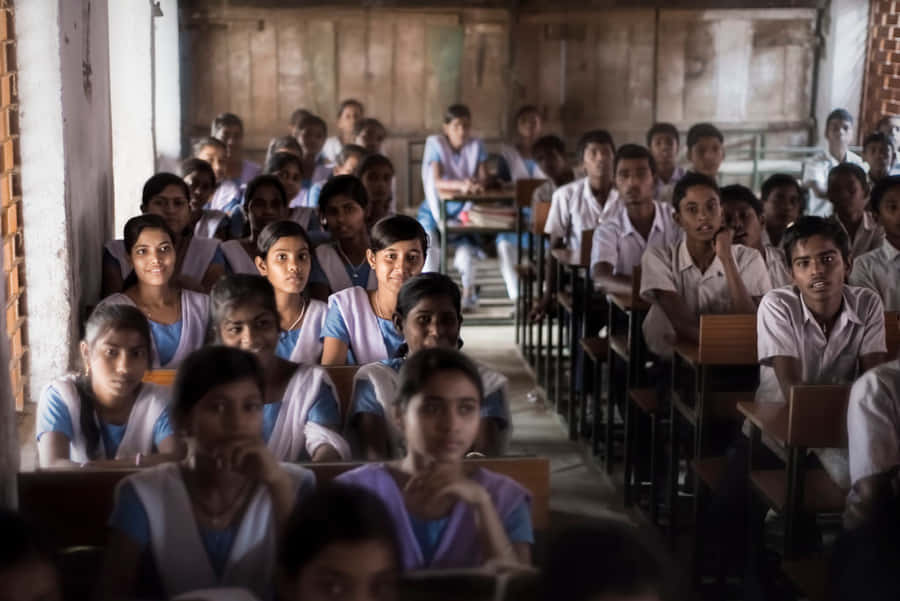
[[566, 257], [689, 351], [486, 196], [771, 418]]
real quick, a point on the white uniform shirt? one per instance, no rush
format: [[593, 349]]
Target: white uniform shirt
[[574, 209], [869, 236], [617, 242], [671, 269], [873, 421], [879, 270], [776, 263], [816, 169], [786, 327], [332, 148]]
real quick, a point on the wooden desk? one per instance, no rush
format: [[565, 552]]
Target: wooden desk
[[489, 196], [770, 418]]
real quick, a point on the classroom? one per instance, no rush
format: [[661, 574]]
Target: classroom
[[450, 300]]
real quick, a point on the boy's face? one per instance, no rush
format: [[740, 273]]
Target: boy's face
[[664, 149], [598, 160], [846, 193], [879, 156], [529, 126], [232, 136], [782, 206], [700, 213], [371, 138], [551, 162], [889, 214], [349, 117], [635, 183], [891, 128], [706, 156], [746, 224], [457, 131], [311, 139], [818, 269], [838, 133]]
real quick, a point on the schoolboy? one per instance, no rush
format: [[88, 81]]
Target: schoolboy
[[704, 273], [229, 128], [705, 149], [879, 270], [848, 191], [641, 222], [838, 134], [349, 114], [873, 421], [549, 153], [783, 201], [744, 215], [664, 143], [889, 125], [879, 154]]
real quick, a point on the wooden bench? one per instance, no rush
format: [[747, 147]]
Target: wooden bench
[[76, 504], [535, 351]]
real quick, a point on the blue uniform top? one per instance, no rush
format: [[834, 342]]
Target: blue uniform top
[[324, 411], [336, 327]]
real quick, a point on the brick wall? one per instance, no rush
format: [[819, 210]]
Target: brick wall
[[882, 84]]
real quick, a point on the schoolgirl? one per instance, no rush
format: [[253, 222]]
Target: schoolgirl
[[265, 201], [287, 168], [201, 181]]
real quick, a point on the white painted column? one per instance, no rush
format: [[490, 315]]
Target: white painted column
[[167, 87]]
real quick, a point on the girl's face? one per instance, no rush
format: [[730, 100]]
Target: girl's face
[[529, 126], [441, 422], [847, 194], [265, 207], [377, 182], [397, 263], [251, 327], [291, 178], [232, 136], [346, 571], [153, 257], [343, 217], [116, 362], [311, 139], [215, 156], [349, 167], [371, 138], [348, 118], [287, 264], [226, 413], [202, 186], [172, 205], [457, 131], [432, 322]]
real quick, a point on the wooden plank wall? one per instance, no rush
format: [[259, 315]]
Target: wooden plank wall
[[743, 69]]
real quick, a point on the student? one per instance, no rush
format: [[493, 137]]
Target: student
[[300, 411], [177, 316], [879, 155], [838, 133], [848, 191], [198, 261], [663, 142], [704, 273], [265, 201], [105, 416], [744, 216], [286, 167], [288, 144], [350, 113], [782, 199], [446, 515], [28, 564], [452, 163], [549, 153], [296, 117], [285, 260], [346, 163], [620, 241], [339, 544], [370, 134], [229, 128], [889, 125], [428, 315], [873, 421], [342, 263], [878, 269], [310, 133], [359, 327], [201, 181], [216, 518], [705, 149], [581, 205], [377, 176], [227, 196]]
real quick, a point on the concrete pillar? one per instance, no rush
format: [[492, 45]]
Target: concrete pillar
[[167, 87]]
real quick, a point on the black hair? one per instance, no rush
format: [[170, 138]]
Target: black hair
[[343, 185], [195, 165], [350, 102], [457, 111], [366, 123], [595, 136], [104, 318], [633, 152], [313, 121], [21, 540], [690, 180], [703, 130], [334, 513], [878, 137], [425, 363], [885, 119], [549, 143], [208, 368], [223, 120], [839, 115], [427, 285], [233, 290], [633, 565], [879, 190], [260, 181], [396, 228], [779, 180], [147, 221], [736, 193], [202, 143], [525, 110], [372, 161], [347, 151], [299, 115], [279, 144], [851, 169], [662, 129], [808, 226], [277, 230], [277, 162], [159, 182]]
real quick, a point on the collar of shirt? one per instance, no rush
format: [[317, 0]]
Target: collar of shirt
[[611, 196], [686, 261], [628, 228], [677, 174], [868, 224], [889, 251], [848, 311]]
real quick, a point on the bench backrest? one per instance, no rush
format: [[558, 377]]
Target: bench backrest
[[163, 377], [817, 416], [587, 242], [525, 191], [728, 339], [539, 213]]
